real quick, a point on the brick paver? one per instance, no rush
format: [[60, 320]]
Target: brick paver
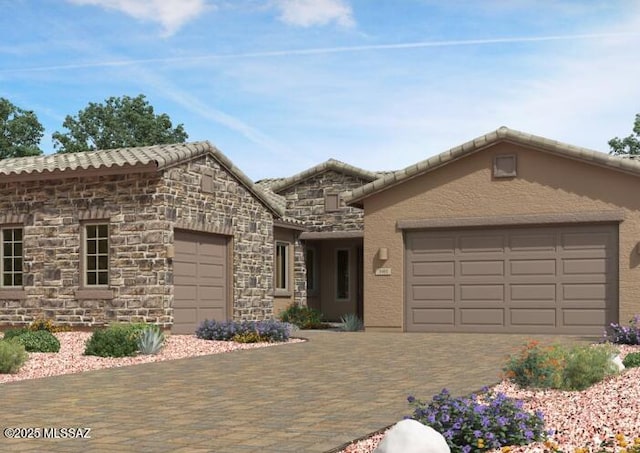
[[307, 397]]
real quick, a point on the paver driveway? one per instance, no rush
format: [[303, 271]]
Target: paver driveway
[[306, 397]]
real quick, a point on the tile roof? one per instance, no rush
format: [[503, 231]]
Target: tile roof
[[503, 134], [143, 158], [279, 184]]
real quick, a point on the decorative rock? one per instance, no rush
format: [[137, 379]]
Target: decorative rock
[[411, 436], [617, 362]]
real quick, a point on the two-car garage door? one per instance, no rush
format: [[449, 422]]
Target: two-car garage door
[[560, 279], [200, 279]]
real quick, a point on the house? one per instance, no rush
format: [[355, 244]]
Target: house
[[509, 232], [168, 234]]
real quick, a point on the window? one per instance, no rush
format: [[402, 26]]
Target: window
[[96, 255], [342, 274], [282, 265], [12, 257], [331, 202], [310, 263]]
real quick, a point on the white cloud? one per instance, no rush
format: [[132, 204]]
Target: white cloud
[[307, 13], [171, 14]]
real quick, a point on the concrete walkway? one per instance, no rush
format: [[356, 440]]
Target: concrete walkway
[[307, 397]]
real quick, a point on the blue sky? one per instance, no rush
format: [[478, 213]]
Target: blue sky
[[281, 85]]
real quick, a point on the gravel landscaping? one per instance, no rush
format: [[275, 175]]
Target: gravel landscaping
[[70, 359], [580, 419]]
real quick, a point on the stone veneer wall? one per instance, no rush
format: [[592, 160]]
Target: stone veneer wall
[[299, 273], [231, 208], [51, 212], [141, 210], [305, 201]]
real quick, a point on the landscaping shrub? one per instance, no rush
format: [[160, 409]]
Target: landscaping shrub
[[476, 424], [587, 365], [46, 324], [559, 367], [117, 340], [351, 323], [632, 360], [303, 317], [38, 341], [12, 333], [536, 366], [226, 330], [150, 340], [624, 334], [247, 337], [12, 356]]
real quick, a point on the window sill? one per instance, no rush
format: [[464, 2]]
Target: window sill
[[98, 293], [282, 293], [13, 293]]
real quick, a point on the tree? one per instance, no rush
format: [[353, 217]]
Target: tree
[[119, 122], [20, 131], [628, 145]]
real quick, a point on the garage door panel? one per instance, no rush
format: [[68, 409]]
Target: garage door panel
[[433, 316], [474, 268], [555, 279], [200, 279], [540, 292], [481, 292], [437, 245], [584, 317], [586, 266], [532, 267], [585, 241], [434, 269], [482, 316], [584, 291], [533, 317], [433, 292], [532, 242], [481, 243]]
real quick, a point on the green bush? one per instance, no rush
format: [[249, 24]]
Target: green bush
[[302, 316], [12, 333], [12, 356], [117, 340], [536, 366], [38, 341], [632, 360], [587, 365], [559, 367]]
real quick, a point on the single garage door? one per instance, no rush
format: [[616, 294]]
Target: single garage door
[[200, 279], [559, 280]]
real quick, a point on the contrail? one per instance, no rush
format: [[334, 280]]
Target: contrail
[[319, 51]]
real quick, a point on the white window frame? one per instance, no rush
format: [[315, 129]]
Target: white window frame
[[348, 275], [13, 257], [97, 254], [285, 246]]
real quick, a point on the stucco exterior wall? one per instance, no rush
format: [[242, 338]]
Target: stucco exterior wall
[[306, 201], [545, 184]]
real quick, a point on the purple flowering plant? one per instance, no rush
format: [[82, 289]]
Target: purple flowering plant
[[619, 334], [479, 423], [270, 330]]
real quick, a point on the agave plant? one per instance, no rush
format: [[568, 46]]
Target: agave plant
[[351, 323], [151, 340]]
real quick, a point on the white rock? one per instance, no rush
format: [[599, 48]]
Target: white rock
[[617, 362], [411, 436]]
